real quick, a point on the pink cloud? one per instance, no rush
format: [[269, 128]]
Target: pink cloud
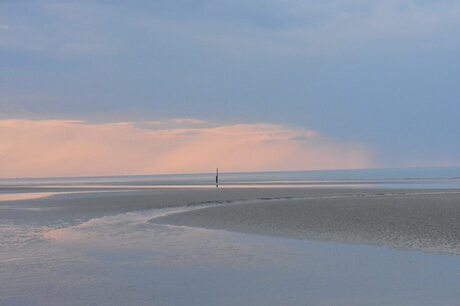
[[38, 148]]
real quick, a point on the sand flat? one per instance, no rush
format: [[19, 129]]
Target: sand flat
[[421, 220], [414, 219], [77, 203], [118, 248]]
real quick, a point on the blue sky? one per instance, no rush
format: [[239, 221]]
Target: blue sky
[[384, 74]]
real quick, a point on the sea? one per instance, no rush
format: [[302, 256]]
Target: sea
[[432, 178], [128, 259]]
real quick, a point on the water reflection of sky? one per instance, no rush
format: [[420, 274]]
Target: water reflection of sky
[[26, 192], [403, 175], [17, 196], [147, 262]]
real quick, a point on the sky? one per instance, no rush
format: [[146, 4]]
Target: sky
[[143, 87]]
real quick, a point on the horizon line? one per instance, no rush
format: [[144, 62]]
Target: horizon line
[[226, 172]]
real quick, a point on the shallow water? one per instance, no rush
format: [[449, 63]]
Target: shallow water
[[127, 259], [448, 177]]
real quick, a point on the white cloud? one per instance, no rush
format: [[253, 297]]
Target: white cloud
[[187, 121], [174, 123]]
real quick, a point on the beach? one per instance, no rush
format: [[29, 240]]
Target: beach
[[228, 246], [423, 219], [420, 219], [229, 153]]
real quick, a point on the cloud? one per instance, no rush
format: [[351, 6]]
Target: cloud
[[273, 27], [187, 121], [40, 148], [84, 48], [324, 28], [58, 29], [175, 123]]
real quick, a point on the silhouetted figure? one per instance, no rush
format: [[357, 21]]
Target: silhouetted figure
[[217, 177]]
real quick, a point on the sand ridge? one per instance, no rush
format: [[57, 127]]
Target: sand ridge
[[419, 220]]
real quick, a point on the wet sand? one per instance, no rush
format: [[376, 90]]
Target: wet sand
[[421, 220], [119, 248], [83, 205], [413, 219]]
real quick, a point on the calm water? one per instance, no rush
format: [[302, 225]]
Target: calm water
[[380, 178], [128, 259]]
